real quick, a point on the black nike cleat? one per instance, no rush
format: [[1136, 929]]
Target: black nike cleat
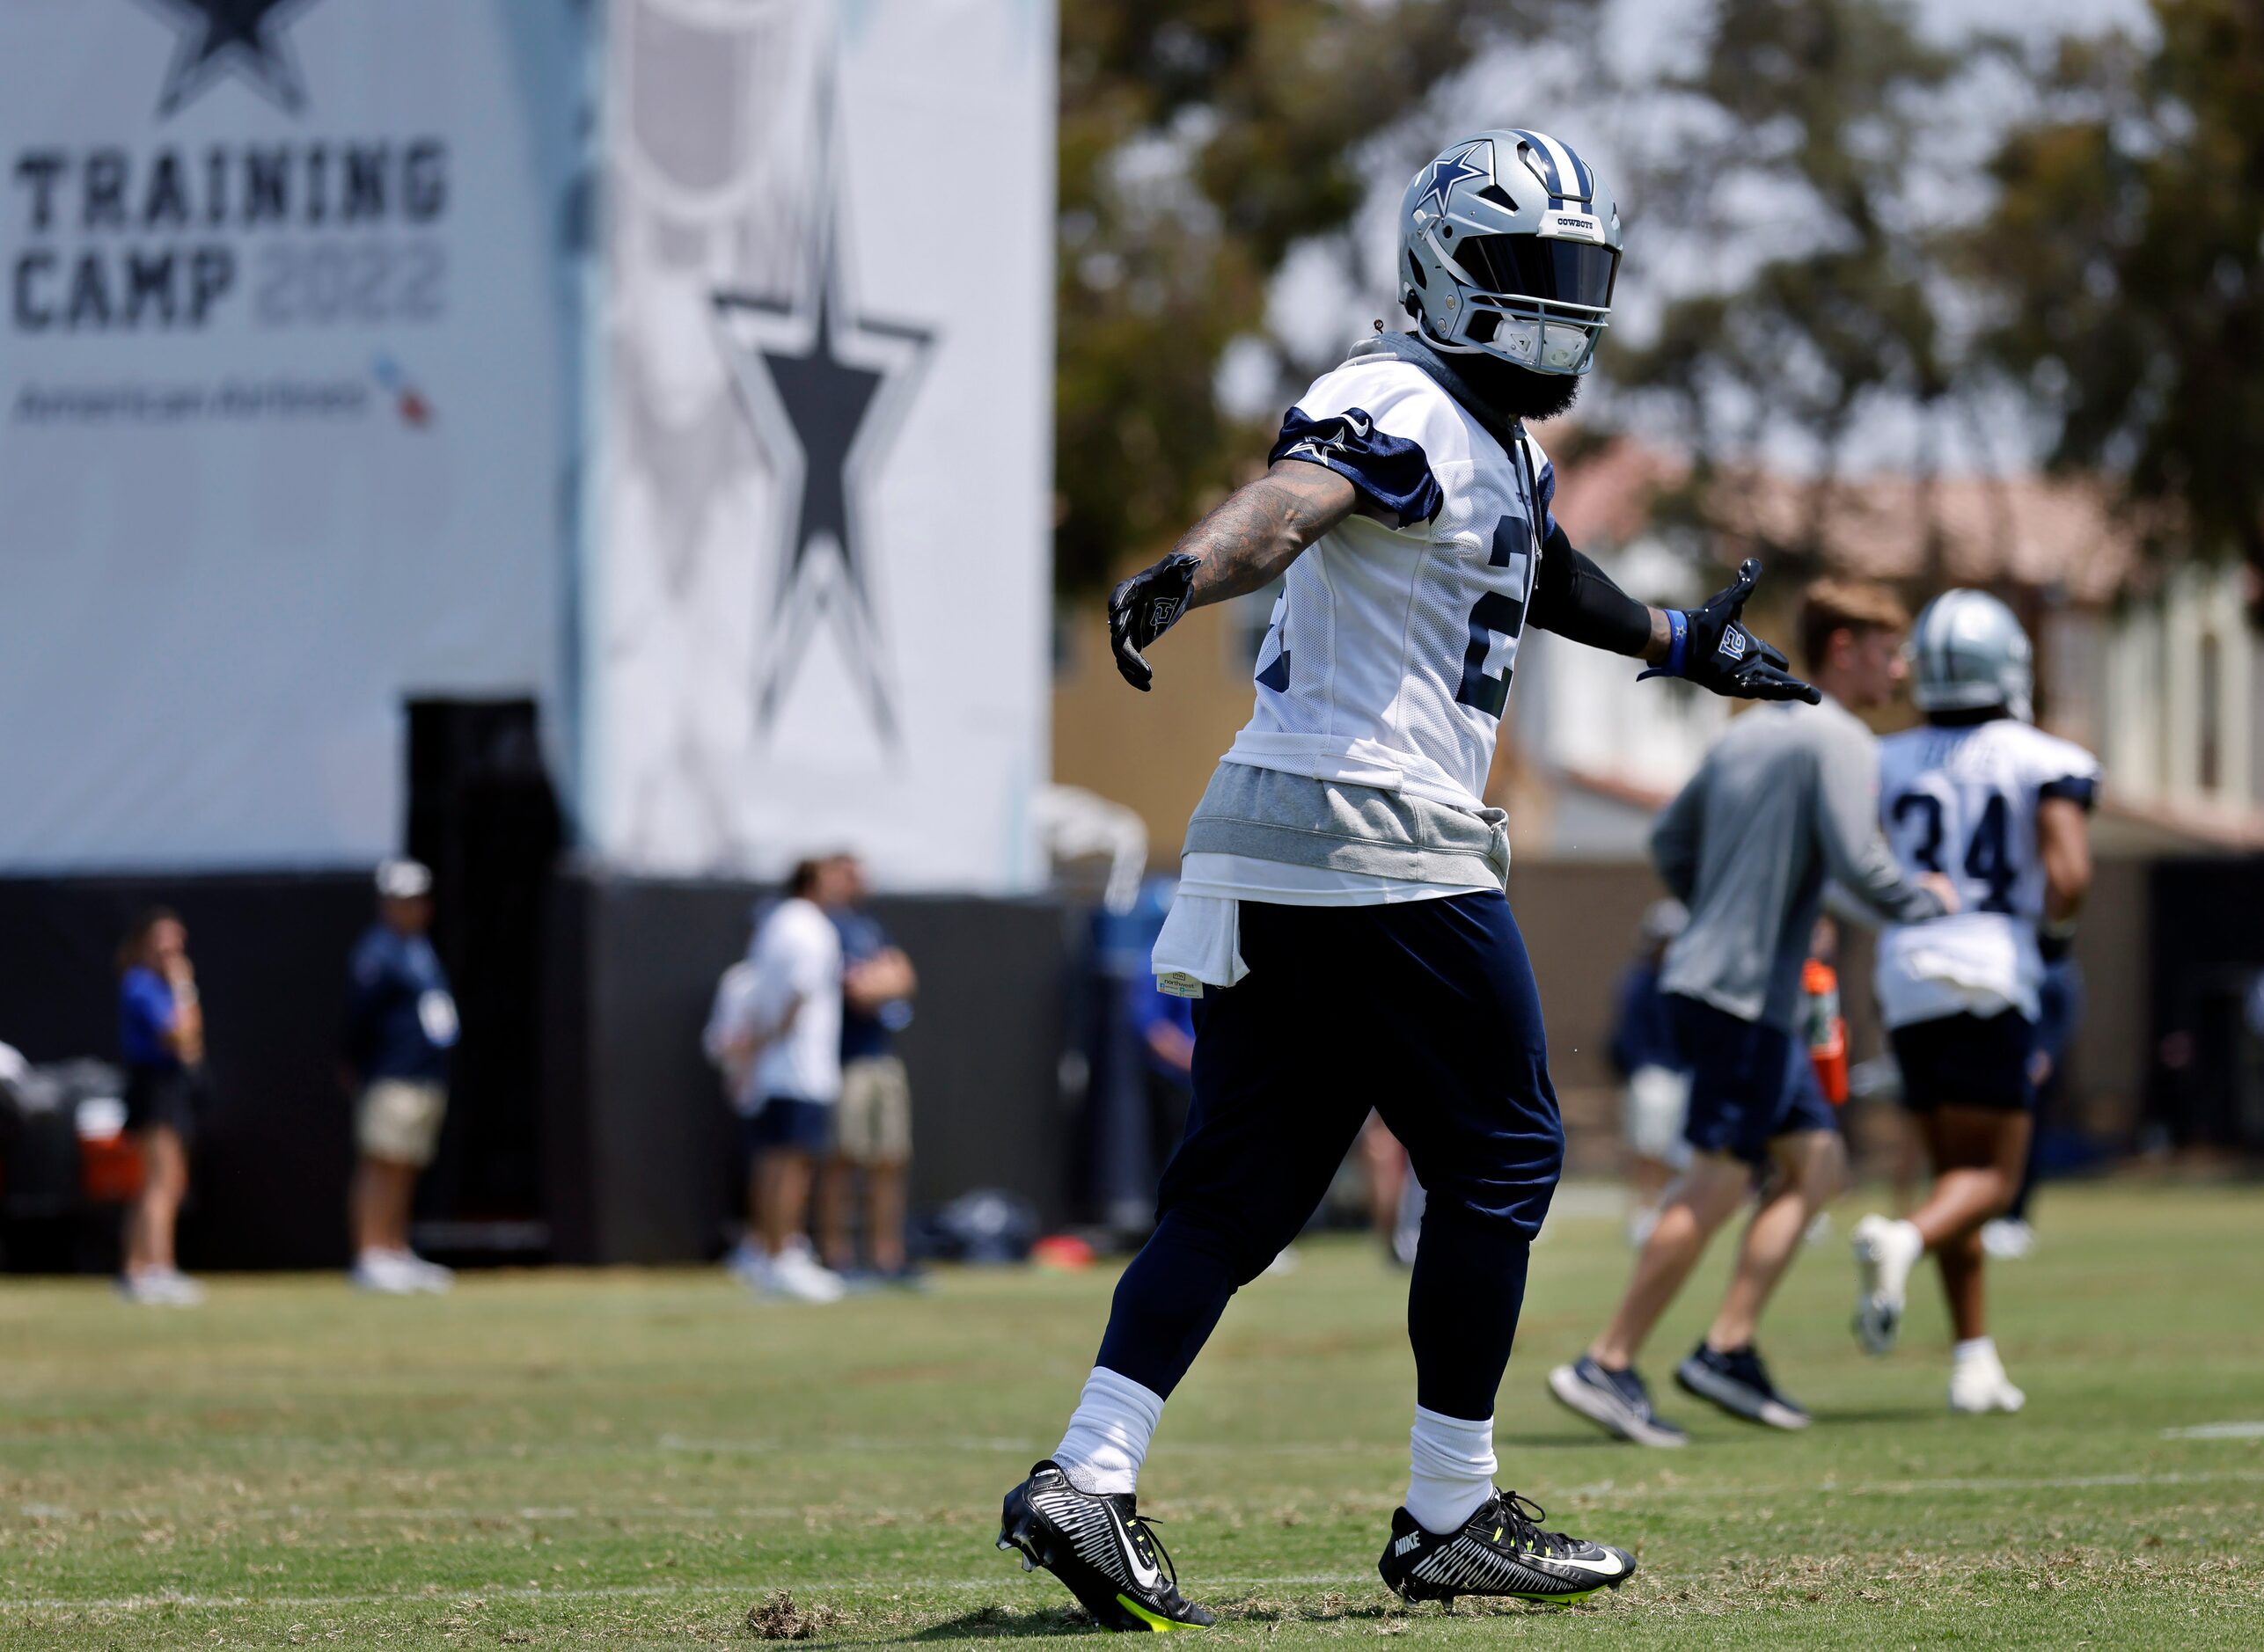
[[1500, 1550], [1740, 1384], [1102, 1549]]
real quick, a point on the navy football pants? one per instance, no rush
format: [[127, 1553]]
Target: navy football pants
[[1425, 1011]]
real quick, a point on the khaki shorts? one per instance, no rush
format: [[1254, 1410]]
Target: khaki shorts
[[872, 1122], [399, 1119]]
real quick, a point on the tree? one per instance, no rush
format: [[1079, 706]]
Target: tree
[[1200, 140], [2126, 256], [1795, 172]]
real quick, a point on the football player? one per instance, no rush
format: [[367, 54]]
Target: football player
[[1982, 797], [1341, 909], [1786, 800]]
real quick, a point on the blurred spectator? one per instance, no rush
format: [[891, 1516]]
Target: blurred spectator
[[872, 1121], [1655, 1080], [161, 1040], [1165, 1025], [775, 1033], [400, 1026], [1391, 1184], [2059, 1011]]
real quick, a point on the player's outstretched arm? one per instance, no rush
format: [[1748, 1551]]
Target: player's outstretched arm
[[1576, 599], [1239, 547]]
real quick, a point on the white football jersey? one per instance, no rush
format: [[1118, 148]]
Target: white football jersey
[[1388, 658], [1962, 802]]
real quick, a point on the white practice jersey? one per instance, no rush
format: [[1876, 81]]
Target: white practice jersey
[[1387, 662], [1962, 802]]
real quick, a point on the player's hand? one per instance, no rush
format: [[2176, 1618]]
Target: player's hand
[[1718, 653], [1942, 889], [1143, 607]]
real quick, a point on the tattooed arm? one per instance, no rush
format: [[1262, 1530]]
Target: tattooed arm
[[1241, 546]]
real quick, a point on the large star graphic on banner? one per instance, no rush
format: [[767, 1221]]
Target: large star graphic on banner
[[220, 37], [826, 388]]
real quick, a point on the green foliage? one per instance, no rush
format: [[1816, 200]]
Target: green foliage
[[2126, 252], [1200, 141], [1818, 107]]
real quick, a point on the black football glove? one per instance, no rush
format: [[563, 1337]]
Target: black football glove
[[1714, 651], [1144, 607]]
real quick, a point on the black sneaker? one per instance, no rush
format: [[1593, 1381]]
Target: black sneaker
[[1102, 1549], [1739, 1383], [1616, 1401], [1500, 1550]]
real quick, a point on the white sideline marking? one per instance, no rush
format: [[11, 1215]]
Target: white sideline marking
[[2218, 1431], [1909, 1487], [448, 1598]]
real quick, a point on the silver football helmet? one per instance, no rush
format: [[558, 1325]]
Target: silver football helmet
[[1509, 243], [1967, 651]]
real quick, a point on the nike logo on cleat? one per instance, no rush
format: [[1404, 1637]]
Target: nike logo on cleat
[[1409, 1544], [1143, 1574]]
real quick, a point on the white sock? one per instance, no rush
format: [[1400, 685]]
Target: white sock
[[1978, 1350], [1450, 1469], [1108, 1434]]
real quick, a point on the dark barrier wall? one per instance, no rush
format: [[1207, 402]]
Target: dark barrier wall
[[644, 1165], [270, 1167]]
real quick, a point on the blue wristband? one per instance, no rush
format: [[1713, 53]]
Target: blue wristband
[[1679, 622]]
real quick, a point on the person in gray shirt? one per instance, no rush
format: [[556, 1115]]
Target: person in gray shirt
[[1786, 802]]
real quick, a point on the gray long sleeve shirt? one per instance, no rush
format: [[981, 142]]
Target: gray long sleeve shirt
[[1787, 798]]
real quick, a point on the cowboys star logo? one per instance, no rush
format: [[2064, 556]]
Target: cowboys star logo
[[827, 387], [244, 38]]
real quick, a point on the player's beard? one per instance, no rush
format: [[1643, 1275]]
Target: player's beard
[[1518, 393]]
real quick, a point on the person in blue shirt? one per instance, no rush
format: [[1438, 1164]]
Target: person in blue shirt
[[161, 1040], [1656, 1078], [872, 1120], [400, 1027]]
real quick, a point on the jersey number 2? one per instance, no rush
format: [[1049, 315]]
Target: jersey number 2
[[1496, 623]]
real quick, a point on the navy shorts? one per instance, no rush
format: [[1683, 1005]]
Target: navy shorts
[[786, 1121], [1963, 1061], [1750, 1083], [1425, 1011]]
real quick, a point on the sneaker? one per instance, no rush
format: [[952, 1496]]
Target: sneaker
[[1978, 1387], [1616, 1401], [1500, 1550], [2008, 1238], [429, 1278], [382, 1272], [1739, 1383], [160, 1288], [799, 1275], [1884, 1253], [1101, 1548], [747, 1263]]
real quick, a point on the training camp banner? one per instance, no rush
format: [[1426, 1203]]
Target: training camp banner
[[285, 349], [816, 596]]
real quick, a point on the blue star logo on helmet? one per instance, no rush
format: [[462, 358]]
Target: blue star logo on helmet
[[1440, 177]]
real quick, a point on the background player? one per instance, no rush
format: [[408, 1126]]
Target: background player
[[1997, 806], [1786, 799], [1341, 908]]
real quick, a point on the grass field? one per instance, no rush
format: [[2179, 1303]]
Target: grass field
[[629, 1459]]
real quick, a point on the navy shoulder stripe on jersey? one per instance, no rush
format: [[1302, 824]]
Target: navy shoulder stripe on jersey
[[2082, 790], [1389, 471]]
